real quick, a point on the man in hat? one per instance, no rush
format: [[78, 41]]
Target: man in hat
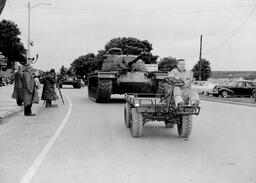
[[49, 93], [18, 92], [184, 94], [30, 92]]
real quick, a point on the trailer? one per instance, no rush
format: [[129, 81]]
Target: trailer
[[143, 107]]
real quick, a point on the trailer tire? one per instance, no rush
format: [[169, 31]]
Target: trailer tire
[[137, 123], [185, 126], [127, 115]]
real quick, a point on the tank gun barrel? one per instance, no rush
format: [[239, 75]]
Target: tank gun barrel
[[137, 58]]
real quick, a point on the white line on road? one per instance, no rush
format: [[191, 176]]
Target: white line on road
[[32, 170]]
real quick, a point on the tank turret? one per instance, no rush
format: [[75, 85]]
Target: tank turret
[[121, 74]]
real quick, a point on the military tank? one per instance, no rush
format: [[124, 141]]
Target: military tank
[[122, 74]]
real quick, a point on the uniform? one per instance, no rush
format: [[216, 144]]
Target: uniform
[[18, 92], [30, 92], [184, 93], [49, 93]]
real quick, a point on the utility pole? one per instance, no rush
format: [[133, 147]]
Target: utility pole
[[200, 57], [28, 42]]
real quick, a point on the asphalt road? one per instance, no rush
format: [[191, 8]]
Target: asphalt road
[[93, 145]]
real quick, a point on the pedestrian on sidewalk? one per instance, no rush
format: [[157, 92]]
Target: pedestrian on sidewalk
[[30, 91], [18, 92], [49, 93]]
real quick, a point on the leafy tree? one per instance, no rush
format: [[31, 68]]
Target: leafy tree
[[132, 46], [167, 64], [88, 63], [10, 43], [82, 65], [205, 70]]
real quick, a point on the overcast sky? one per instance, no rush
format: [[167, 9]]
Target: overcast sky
[[66, 29]]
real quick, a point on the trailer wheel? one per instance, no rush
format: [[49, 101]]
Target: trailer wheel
[[127, 115], [185, 126], [169, 124], [137, 123]]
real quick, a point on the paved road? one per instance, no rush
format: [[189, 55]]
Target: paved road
[[95, 146]]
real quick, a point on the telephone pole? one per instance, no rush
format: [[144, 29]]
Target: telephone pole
[[200, 57]]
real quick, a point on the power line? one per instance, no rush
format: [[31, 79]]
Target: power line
[[234, 32]]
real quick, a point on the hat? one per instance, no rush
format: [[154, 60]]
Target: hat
[[52, 70]]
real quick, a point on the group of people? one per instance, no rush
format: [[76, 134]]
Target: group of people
[[26, 85]]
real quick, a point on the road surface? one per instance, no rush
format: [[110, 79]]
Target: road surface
[[93, 145]]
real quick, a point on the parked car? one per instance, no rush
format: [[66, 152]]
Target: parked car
[[203, 87], [243, 88], [70, 80]]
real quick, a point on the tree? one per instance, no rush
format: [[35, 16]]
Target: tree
[[82, 65], [205, 69], [133, 46], [167, 64], [10, 43]]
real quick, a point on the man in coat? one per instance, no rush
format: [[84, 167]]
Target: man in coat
[[49, 93], [30, 92], [18, 92]]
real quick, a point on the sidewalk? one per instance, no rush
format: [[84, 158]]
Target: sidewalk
[[8, 106]]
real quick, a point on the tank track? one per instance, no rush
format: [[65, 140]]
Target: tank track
[[103, 91]]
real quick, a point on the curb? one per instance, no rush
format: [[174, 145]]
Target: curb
[[11, 113], [230, 102]]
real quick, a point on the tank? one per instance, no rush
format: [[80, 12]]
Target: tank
[[122, 74]]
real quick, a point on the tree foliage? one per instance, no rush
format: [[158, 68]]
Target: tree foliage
[[10, 43], [205, 70], [86, 64], [82, 65], [133, 46], [167, 64]]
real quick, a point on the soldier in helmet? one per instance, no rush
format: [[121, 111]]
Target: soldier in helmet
[[139, 65], [184, 94]]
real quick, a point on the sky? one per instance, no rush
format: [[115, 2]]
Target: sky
[[65, 30]]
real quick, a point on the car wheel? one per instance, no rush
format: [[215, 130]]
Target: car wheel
[[224, 94]]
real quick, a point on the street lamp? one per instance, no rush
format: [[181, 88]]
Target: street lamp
[[29, 9]]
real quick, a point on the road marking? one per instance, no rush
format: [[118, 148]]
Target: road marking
[[32, 170]]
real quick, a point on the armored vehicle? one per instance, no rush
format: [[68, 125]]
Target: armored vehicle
[[122, 74], [70, 80]]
